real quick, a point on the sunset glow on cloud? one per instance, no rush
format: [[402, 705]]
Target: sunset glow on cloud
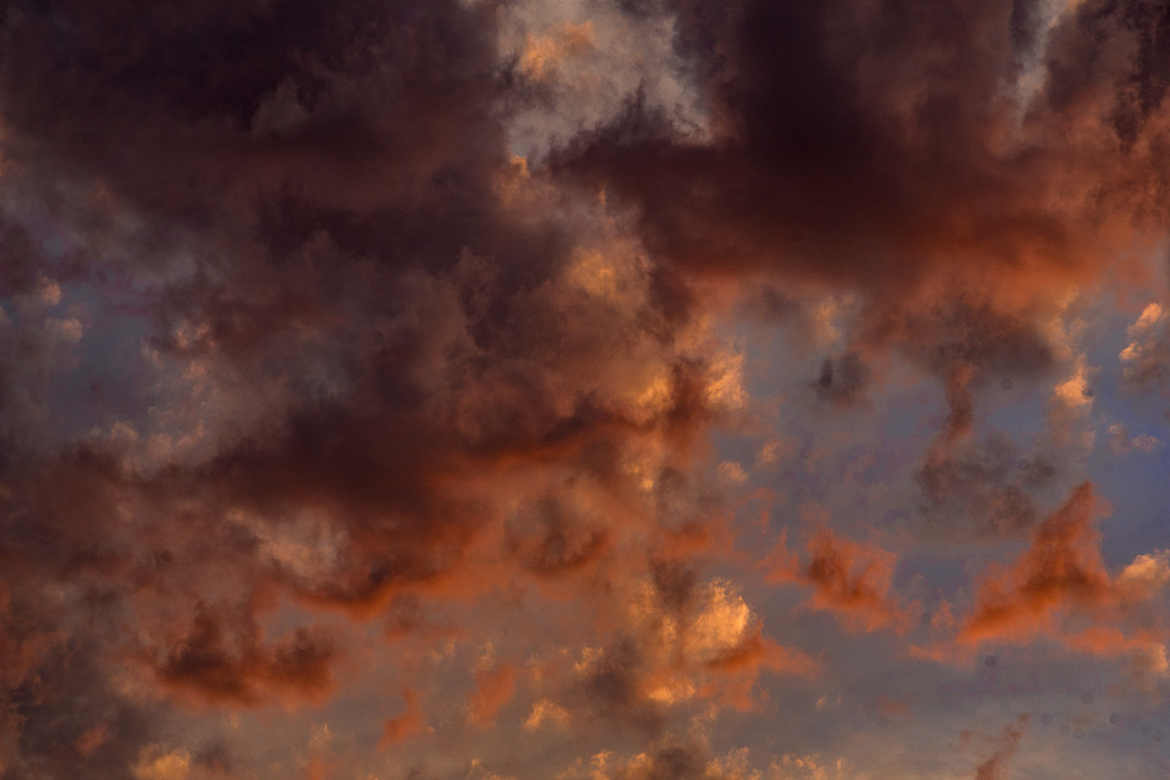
[[606, 389]]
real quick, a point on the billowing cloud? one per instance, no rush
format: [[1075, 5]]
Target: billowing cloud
[[340, 341], [681, 643], [1144, 359]]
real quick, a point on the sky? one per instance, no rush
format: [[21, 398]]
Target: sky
[[584, 389]]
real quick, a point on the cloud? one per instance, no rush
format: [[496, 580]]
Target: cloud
[[63, 712], [960, 211], [1121, 443], [552, 540], [543, 52], [354, 358], [493, 689], [692, 758], [1060, 589], [682, 761], [1145, 359], [547, 713], [404, 726], [158, 764], [847, 578], [1146, 649], [995, 768], [989, 195], [321, 313], [204, 664], [986, 488], [1147, 572], [844, 380], [1062, 567], [681, 642]]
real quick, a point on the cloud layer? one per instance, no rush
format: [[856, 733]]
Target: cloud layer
[[432, 389]]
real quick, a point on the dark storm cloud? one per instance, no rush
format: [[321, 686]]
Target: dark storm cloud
[[59, 708], [64, 715], [22, 259], [179, 109], [390, 342], [851, 147], [316, 203], [897, 152]]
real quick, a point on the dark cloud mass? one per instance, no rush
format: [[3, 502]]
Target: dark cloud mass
[[896, 150], [303, 336], [893, 151]]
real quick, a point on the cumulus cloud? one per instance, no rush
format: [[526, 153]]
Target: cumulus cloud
[[1148, 571], [1121, 442], [681, 643], [1144, 359]]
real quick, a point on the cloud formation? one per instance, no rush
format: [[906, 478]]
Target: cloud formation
[[1061, 567], [850, 579], [341, 340]]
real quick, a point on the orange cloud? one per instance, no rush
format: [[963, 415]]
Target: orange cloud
[[1062, 567], [216, 667], [1059, 588], [847, 578], [406, 725], [369, 341], [681, 641], [542, 53], [742, 664], [493, 689], [759, 652], [1147, 649]]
